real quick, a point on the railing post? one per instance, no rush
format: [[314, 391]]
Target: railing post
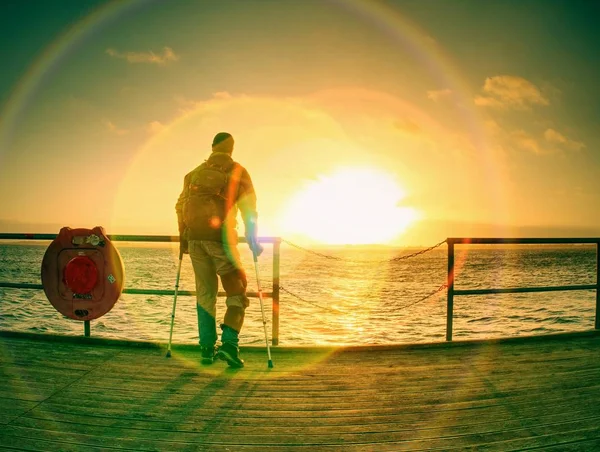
[[86, 328], [450, 304], [597, 326], [275, 332]]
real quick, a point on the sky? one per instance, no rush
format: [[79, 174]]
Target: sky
[[359, 121]]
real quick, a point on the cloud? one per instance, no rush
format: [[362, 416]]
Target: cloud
[[555, 137], [550, 142], [112, 127], [436, 95], [483, 101], [509, 91], [168, 55], [222, 95], [492, 127], [525, 141], [155, 127], [189, 105]]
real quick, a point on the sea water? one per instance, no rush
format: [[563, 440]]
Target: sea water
[[343, 295]]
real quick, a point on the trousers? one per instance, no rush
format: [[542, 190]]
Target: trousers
[[212, 260]]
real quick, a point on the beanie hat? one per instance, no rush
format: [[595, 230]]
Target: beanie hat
[[220, 137]]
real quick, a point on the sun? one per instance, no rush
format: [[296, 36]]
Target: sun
[[355, 206]]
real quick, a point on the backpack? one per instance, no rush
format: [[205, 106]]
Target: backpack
[[204, 210]]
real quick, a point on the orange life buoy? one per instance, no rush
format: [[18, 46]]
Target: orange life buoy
[[82, 273]]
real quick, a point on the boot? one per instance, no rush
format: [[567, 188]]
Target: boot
[[230, 353], [208, 354]]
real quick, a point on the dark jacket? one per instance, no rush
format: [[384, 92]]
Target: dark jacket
[[238, 194]]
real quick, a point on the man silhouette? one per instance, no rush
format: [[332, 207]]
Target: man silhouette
[[207, 217]]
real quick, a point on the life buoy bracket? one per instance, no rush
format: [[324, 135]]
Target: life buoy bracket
[[82, 273]]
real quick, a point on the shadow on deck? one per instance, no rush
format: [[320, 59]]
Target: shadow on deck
[[540, 393]]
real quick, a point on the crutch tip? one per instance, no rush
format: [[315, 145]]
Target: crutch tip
[[270, 364], [168, 353]]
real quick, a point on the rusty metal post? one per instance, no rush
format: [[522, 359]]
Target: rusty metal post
[[275, 332], [450, 304]]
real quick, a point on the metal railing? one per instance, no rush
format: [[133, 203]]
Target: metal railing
[[452, 241], [274, 294]]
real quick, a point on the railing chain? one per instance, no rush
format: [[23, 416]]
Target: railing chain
[[436, 291], [337, 258], [331, 308]]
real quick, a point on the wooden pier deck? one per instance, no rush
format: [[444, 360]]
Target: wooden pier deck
[[538, 393]]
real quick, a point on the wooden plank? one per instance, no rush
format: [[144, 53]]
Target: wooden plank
[[430, 440], [159, 371], [557, 441], [232, 391], [6, 418], [13, 406], [22, 396], [497, 396], [25, 442], [20, 386], [572, 406], [295, 388], [192, 411], [587, 435], [546, 443], [468, 425]]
